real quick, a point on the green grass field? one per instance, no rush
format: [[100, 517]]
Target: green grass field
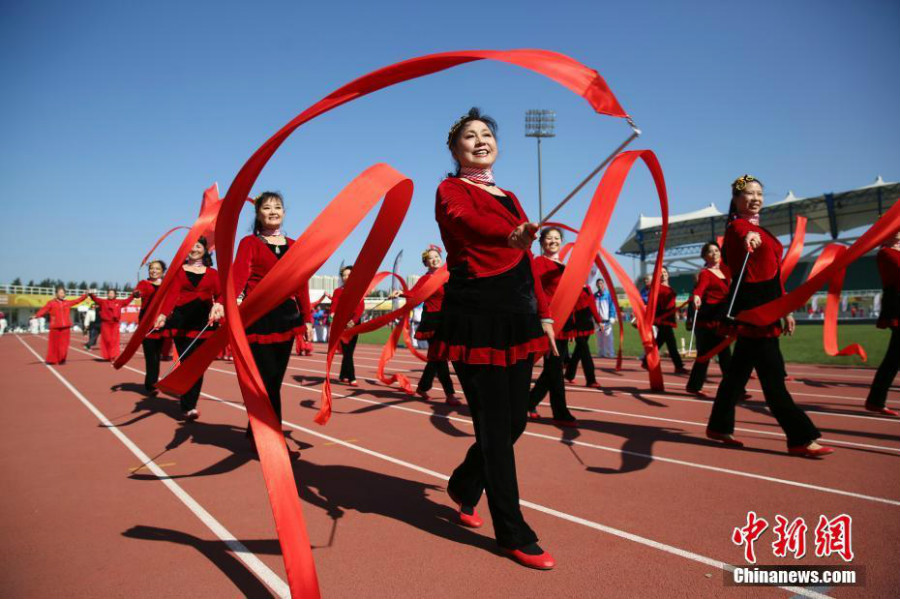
[[804, 347]]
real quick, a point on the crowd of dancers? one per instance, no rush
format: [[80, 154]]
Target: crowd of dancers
[[492, 321]]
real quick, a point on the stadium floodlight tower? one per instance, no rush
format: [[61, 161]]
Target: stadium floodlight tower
[[540, 124]]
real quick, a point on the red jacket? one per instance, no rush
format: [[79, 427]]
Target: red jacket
[[475, 229], [548, 272], [432, 303], [111, 310], [888, 261], [710, 288], [253, 261], [357, 313], [764, 262], [183, 292], [665, 307], [59, 311]]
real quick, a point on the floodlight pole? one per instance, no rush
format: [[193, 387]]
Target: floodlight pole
[[540, 185], [539, 124]]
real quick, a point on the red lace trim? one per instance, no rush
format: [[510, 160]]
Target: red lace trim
[[531, 349]]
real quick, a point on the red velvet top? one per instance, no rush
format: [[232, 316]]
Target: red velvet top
[[665, 307], [433, 303], [357, 313], [548, 272], [888, 261], [710, 288], [586, 301], [475, 229], [59, 311], [183, 292], [764, 263], [111, 310], [254, 260]]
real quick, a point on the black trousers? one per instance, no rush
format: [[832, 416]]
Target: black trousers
[[93, 335], [152, 351], [551, 379], [189, 400], [348, 372], [666, 334], [707, 339], [442, 370], [581, 353], [272, 361], [765, 356], [886, 373], [498, 400]]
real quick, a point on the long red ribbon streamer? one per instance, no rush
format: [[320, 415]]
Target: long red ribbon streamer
[[792, 256], [159, 241], [832, 304]]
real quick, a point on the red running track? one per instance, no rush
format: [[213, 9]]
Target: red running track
[[633, 503]]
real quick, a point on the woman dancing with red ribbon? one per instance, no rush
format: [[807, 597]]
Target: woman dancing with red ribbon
[[272, 336], [189, 311], [708, 298], [888, 261], [755, 253], [586, 320], [110, 317], [665, 322], [60, 325], [493, 324], [152, 344], [432, 260], [549, 269], [348, 369]]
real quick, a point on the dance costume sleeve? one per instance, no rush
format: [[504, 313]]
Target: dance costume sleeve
[[457, 211], [242, 263]]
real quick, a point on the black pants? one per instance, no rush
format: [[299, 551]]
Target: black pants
[[666, 334], [272, 361], [348, 372], [885, 374], [189, 399], [707, 339], [765, 356], [442, 370], [152, 350], [551, 380], [582, 353], [498, 400], [93, 335]]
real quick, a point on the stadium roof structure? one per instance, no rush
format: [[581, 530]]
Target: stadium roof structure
[[829, 214]]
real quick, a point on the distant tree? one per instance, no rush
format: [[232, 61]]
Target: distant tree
[[16, 281], [46, 283], [93, 285], [127, 287], [83, 285], [71, 285], [31, 282]]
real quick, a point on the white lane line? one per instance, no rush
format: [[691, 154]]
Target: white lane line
[[253, 563], [670, 549], [618, 450]]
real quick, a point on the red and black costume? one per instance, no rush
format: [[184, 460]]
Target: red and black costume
[[586, 320], [888, 261], [490, 327], [549, 272], [272, 336], [187, 306], [348, 369], [153, 341], [60, 327], [757, 347], [110, 316], [712, 291], [665, 323], [430, 316]]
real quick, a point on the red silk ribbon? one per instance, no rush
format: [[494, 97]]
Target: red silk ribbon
[[792, 256], [159, 241], [832, 304], [315, 246]]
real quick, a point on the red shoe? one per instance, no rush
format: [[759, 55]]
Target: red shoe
[[728, 440], [452, 400], [806, 452], [192, 415], [423, 394], [534, 416], [882, 410], [594, 385], [472, 520], [353, 383], [788, 377], [544, 561], [573, 423]]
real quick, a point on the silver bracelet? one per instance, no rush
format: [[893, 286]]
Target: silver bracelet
[[546, 321]]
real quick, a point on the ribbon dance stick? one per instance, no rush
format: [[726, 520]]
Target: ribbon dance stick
[[737, 284], [187, 350], [693, 328]]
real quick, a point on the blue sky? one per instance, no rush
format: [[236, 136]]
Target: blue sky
[[116, 115]]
